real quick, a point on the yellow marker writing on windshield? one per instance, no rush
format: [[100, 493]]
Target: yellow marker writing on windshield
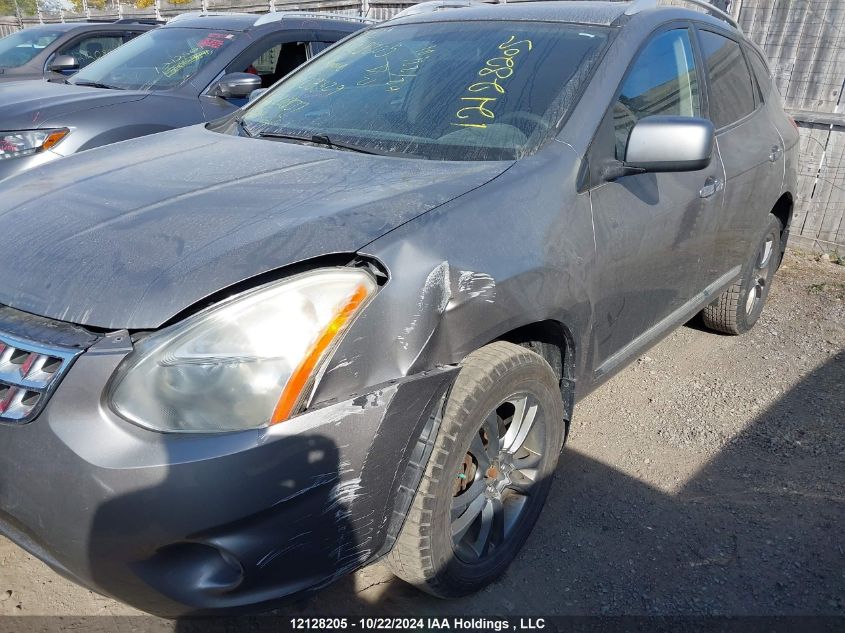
[[494, 70]]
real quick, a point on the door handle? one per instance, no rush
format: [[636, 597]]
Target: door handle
[[777, 150], [711, 187]]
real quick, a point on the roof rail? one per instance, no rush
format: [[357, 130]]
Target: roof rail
[[279, 15], [641, 5], [200, 14], [148, 21]]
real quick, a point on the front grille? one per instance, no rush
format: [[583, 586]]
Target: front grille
[[29, 372]]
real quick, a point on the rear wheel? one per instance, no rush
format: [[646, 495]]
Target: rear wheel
[[488, 476], [738, 308]]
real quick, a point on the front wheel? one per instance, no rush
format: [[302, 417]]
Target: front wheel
[[738, 308], [488, 476]]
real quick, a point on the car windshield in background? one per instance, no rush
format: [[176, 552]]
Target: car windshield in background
[[18, 48], [447, 91], [158, 60]]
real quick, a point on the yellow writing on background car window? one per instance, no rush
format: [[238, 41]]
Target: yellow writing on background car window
[[181, 62], [475, 112]]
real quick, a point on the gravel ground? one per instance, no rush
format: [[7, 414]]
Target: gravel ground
[[707, 478]]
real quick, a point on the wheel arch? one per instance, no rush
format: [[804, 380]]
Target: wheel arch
[[553, 341], [783, 210]]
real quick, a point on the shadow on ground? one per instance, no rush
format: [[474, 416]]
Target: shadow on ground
[[758, 531]]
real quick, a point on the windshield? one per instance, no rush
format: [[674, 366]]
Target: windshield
[[158, 60], [18, 48], [441, 91]]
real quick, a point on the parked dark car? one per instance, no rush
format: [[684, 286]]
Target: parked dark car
[[33, 52], [351, 320], [196, 68]]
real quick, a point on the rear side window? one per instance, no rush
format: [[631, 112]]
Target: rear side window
[[662, 81], [761, 74], [731, 91]]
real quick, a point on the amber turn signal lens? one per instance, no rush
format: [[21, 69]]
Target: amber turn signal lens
[[53, 139], [295, 386]]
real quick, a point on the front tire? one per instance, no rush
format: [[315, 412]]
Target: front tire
[[488, 476], [738, 308]]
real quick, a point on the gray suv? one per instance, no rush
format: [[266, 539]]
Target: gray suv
[[33, 52], [352, 320], [197, 68]]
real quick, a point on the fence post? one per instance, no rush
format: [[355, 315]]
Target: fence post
[[365, 8], [18, 15]]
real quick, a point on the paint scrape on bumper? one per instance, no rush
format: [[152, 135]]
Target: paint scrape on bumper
[[191, 524]]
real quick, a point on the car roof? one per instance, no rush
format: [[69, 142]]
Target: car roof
[[250, 21], [588, 12], [60, 26], [66, 27], [226, 21], [579, 12]]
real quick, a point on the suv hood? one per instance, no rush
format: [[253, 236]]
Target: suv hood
[[29, 105], [131, 234]]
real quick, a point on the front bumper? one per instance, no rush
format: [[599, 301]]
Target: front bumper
[[13, 166], [175, 524]]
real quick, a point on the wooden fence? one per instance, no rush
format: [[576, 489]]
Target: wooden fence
[[8, 25], [803, 39]]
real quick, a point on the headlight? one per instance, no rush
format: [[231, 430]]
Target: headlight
[[26, 142], [246, 363]]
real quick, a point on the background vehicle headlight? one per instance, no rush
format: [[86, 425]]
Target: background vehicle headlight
[[245, 363], [26, 142]]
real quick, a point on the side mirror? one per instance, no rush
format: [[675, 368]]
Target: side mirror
[[64, 64], [256, 93], [235, 86], [670, 143]]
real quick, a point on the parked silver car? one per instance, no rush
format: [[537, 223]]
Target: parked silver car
[[197, 68], [351, 321]]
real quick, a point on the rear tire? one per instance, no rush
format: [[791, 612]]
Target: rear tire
[[738, 308], [488, 476]]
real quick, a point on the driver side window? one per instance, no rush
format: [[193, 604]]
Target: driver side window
[[662, 81], [273, 60], [91, 48]]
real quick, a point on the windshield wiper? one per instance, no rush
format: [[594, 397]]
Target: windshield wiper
[[319, 139], [242, 127], [95, 84]]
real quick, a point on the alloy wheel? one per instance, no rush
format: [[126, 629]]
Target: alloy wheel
[[495, 481], [760, 275]]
